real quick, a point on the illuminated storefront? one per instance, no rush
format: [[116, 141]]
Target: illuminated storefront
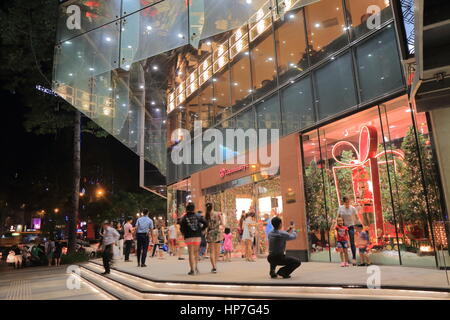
[[328, 74]]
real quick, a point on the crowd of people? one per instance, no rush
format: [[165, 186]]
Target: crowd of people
[[47, 252], [199, 233]]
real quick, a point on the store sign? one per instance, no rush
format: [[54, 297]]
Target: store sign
[[226, 172]]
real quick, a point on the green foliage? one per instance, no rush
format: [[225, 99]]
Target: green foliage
[[124, 204]]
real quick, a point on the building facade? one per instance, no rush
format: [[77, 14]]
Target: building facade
[[332, 76]]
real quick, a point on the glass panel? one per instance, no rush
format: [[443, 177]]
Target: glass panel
[[222, 88], [417, 198], [130, 6], [264, 71], [291, 46], [284, 6], [379, 65], [318, 223], [363, 17], [208, 18], [298, 107], [93, 14], [326, 28], [355, 168], [241, 82], [246, 120], [149, 34], [335, 88], [205, 102], [268, 113], [90, 54]]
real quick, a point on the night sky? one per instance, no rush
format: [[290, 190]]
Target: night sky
[[27, 158]]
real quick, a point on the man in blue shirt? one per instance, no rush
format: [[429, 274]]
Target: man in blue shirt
[[277, 248], [144, 225]]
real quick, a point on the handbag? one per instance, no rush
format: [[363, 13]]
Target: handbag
[[11, 257]]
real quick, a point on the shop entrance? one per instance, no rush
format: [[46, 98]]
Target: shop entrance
[[254, 193], [382, 160]]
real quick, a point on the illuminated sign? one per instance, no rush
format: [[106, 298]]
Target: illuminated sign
[[225, 172]]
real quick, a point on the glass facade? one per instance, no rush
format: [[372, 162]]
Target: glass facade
[[382, 160], [143, 69]]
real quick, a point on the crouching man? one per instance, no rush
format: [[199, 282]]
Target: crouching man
[[277, 248]]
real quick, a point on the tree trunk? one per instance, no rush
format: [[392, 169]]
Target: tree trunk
[[73, 213]]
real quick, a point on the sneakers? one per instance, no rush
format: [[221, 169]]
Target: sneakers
[[273, 275], [213, 270], [105, 273], [346, 264], [191, 273], [143, 265], [342, 264]]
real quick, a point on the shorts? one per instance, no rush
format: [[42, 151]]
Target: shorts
[[193, 241], [342, 244], [363, 250], [173, 242]]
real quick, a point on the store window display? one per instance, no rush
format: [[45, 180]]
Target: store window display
[[382, 161]]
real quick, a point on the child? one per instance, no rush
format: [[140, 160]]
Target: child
[[362, 241], [342, 241], [227, 244]]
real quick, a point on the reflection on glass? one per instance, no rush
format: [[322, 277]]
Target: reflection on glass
[[93, 14], [221, 99], [246, 120], [366, 15], [335, 88], [327, 31], [291, 46], [264, 71], [379, 66], [297, 104], [154, 30]]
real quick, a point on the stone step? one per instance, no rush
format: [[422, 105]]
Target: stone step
[[145, 288]]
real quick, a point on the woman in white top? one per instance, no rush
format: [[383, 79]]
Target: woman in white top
[[248, 235]]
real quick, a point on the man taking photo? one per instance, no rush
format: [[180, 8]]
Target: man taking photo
[[277, 248]]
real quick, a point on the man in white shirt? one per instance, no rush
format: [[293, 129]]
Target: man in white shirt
[[349, 214], [110, 236]]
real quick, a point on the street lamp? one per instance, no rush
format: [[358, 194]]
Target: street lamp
[[100, 193], [56, 210]]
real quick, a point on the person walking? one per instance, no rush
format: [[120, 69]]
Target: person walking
[[128, 238], [57, 254], [213, 235], [49, 250], [172, 235], [120, 242], [144, 225], [109, 238], [180, 240], [159, 240], [228, 244], [350, 216], [277, 248], [248, 236], [191, 226]]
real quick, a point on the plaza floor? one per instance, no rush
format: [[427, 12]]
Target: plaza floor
[[309, 273], [43, 283]]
